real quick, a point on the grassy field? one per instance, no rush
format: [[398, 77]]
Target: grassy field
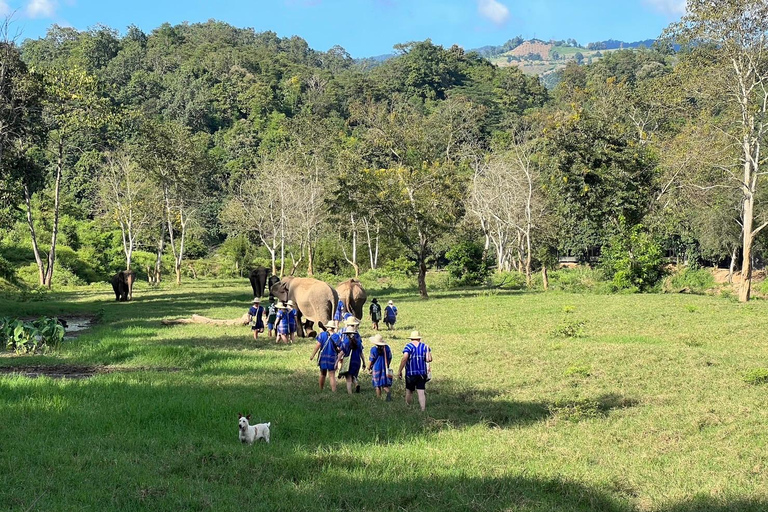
[[540, 402]]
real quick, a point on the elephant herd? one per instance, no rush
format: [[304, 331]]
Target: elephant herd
[[314, 300]]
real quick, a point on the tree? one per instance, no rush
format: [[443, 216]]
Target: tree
[[733, 36], [129, 198]]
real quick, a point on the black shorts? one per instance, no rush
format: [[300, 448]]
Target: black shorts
[[415, 382]]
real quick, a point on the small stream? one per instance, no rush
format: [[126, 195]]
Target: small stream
[[76, 326]]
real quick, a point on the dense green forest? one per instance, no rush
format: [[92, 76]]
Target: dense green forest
[[201, 150]]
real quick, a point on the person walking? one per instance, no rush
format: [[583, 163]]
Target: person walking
[[339, 311], [256, 317], [281, 324], [375, 311], [379, 360], [292, 321], [351, 357], [328, 346], [390, 315], [416, 359], [271, 316]]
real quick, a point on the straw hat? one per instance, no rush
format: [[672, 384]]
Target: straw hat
[[377, 339], [352, 322], [281, 305], [331, 325], [390, 303], [255, 300], [290, 303], [415, 335]]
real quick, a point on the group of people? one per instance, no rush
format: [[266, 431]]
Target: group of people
[[281, 320], [390, 314], [342, 350]]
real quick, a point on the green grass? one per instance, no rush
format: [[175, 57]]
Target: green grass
[[646, 410]]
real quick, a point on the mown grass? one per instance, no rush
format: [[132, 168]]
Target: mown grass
[[646, 409]]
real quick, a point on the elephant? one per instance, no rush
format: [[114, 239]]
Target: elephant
[[272, 281], [314, 300], [352, 294], [122, 283], [258, 278]]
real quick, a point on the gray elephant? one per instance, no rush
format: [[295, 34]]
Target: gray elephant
[[352, 294], [258, 278], [314, 300], [122, 284]]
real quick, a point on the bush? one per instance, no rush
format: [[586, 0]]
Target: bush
[[30, 336], [400, 266], [692, 280], [757, 376], [632, 259], [62, 276], [508, 280], [578, 280], [467, 265]]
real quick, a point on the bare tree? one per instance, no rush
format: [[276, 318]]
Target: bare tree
[[128, 197]]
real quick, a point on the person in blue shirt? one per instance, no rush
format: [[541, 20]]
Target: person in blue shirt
[[271, 316], [328, 346], [390, 315], [292, 321], [379, 360], [351, 348], [281, 324], [416, 360], [337, 314], [256, 318]]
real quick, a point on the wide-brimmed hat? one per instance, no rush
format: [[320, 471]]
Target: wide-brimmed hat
[[352, 322], [415, 335], [331, 325], [255, 300], [377, 339], [391, 303], [281, 305], [290, 303]]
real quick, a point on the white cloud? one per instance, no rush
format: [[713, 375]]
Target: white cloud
[[41, 8], [5, 9], [669, 7], [494, 11]]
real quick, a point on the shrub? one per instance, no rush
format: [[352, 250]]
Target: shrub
[[400, 266], [62, 276], [30, 336], [757, 376], [466, 263], [633, 259], [578, 279], [692, 280]]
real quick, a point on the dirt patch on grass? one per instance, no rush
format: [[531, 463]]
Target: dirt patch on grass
[[64, 371]]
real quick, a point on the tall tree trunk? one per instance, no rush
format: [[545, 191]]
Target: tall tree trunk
[[746, 261], [310, 269], [732, 266], [422, 278], [545, 277], [159, 255], [31, 223], [55, 232]]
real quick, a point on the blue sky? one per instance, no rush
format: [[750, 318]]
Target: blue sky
[[368, 27]]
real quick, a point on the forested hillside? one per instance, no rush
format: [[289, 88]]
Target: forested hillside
[[202, 150]]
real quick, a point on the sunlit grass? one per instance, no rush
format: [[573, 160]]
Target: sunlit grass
[[647, 409]]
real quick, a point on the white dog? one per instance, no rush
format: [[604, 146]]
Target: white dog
[[250, 433]]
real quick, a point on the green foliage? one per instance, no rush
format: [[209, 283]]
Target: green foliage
[[467, 265], [691, 280], [400, 266], [633, 259], [756, 376], [30, 336]]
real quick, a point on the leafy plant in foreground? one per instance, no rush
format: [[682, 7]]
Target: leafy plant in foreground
[[30, 336]]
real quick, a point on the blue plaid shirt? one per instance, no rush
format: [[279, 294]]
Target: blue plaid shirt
[[417, 359]]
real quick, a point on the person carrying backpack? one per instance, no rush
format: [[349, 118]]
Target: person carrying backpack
[[375, 311], [390, 315]]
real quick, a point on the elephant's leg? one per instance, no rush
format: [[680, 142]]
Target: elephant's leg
[[299, 325]]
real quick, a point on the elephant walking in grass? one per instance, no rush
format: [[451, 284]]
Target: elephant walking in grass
[[352, 294], [258, 278], [122, 284], [314, 300]]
